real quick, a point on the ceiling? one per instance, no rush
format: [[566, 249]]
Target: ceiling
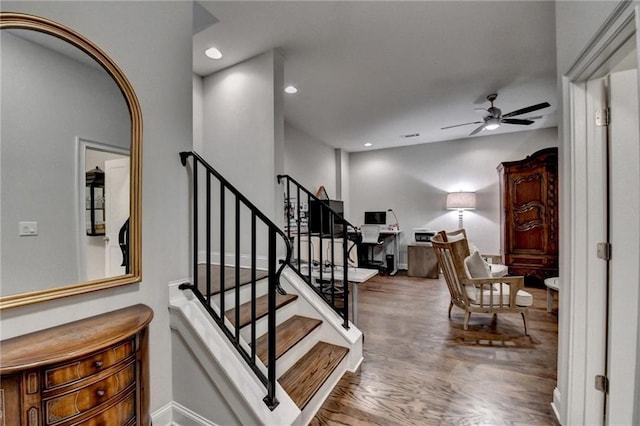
[[375, 71]]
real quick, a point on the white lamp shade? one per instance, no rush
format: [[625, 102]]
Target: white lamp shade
[[461, 201]]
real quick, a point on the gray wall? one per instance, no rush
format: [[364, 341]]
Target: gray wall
[[310, 161], [48, 100], [151, 42], [242, 127], [576, 24], [414, 182]]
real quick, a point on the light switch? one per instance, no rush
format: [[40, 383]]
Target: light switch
[[28, 228]]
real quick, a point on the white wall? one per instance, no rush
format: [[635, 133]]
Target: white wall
[[242, 138], [240, 127], [151, 42], [310, 161], [414, 182], [67, 99]]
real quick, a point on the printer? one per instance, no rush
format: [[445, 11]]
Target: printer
[[422, 236]]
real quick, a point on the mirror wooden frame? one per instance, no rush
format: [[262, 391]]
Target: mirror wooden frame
[[10, 20]]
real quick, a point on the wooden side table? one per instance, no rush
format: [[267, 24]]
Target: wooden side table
[[422, 261]]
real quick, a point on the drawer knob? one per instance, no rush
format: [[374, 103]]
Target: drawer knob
[[98, 364], [100, 393]]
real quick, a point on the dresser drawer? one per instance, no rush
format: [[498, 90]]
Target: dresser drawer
[[71, 372], [92, 371], [121, 414], [74, 403]]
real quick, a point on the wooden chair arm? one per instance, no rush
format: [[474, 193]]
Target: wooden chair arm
[[515, 284]]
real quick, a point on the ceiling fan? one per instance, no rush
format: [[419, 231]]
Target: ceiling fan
[[495, 117]]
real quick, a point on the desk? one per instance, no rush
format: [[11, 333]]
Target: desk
[[394, 234], [385, 234], [355, 276]]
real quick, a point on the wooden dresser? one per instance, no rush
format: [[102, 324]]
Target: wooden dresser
[[90, 372], [529, 208]]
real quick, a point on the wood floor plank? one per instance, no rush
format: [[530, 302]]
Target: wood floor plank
[[262, 305], [421, 368], [288, 334], [305, 377]]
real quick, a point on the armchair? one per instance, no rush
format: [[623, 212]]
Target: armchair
[[471, 286], [492, 261]]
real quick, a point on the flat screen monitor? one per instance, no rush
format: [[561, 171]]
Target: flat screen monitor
[[375, 218]]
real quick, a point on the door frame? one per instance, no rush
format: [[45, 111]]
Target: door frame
[[82, 144], [574, 396]]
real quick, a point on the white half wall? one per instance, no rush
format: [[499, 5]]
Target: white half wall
[[414, 182]]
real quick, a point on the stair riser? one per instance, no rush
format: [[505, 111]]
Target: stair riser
[[287, 360], [245, 294]]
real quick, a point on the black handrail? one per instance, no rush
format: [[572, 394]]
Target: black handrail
[[325, 277], [231, 326]]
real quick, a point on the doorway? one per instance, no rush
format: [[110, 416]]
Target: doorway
[[99, 256], [599, 308]]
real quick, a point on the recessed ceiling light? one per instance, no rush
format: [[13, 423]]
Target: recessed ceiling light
[[368, 144], [213, 53], [291, 89]]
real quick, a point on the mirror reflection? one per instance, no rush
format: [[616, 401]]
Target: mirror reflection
[[63, 116]]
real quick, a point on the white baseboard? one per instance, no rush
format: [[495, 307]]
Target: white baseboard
[[175, 414]]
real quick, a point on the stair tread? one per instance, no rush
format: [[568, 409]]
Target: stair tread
[[229, 277], [288, 334], [306, 377], [262, 308]]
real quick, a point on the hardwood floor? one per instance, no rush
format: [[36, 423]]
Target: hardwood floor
[[422, 368]]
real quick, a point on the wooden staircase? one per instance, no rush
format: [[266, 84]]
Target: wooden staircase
[[309, 369]]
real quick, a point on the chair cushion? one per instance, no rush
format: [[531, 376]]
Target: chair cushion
[[523, 298], [476, 267], [498, 270], [472, 247]]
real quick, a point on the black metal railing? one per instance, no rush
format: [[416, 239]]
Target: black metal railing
[[241, 228], [323, 244]]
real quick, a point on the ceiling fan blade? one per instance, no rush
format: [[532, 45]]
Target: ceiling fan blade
[[516, 121], [458, 125], [527, 109], [477, 130]]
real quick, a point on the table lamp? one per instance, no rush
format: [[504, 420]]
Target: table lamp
[[397, 224], [461, 201]]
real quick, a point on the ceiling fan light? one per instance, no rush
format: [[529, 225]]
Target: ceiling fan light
[[492, 124]]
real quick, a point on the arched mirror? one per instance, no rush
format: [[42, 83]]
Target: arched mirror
[[70, 165]]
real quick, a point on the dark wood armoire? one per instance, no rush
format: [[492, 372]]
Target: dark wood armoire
[[529, 208]]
